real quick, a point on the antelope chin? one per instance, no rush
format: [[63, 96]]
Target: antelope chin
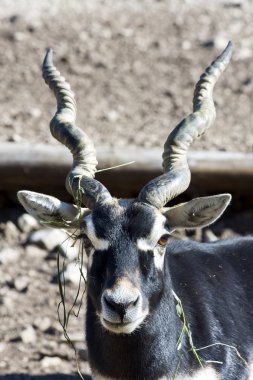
[[122, 328]]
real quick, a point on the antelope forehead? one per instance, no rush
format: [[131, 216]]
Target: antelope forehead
[[145, 231]]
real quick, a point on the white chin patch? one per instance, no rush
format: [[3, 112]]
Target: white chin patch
[[207, 373], [118, 328], [203, 374]]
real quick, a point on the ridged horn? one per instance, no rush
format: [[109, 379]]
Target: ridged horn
[[80, 181], [177, 176]]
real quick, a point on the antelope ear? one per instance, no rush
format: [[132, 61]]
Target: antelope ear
[[199, 212], [52, 211]]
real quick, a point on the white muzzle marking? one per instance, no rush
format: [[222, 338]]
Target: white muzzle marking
[[123, 293]]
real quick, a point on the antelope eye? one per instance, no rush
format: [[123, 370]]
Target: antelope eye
[[163, 240]]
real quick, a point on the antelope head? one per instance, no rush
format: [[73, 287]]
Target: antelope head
[[128, 237]]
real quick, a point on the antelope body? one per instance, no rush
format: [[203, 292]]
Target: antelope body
[[137, 278]]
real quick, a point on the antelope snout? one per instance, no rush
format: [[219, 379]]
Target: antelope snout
[[120, 303], [122, 308]]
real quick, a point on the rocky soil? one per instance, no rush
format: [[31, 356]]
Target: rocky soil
[[133, 66], [31, 338]]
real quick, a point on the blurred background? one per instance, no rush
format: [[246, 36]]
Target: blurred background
[[133, 66]]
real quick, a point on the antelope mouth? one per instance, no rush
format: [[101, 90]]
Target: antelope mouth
[[122, 327]]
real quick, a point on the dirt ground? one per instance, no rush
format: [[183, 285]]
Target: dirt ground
[[31, 338], [133, 66]]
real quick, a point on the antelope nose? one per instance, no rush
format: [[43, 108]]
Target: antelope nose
[[120, 305]]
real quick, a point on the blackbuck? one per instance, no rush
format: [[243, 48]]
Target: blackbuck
[[156, 309]]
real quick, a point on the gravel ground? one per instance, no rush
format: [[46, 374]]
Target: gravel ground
[[31, 337], [133, 66]]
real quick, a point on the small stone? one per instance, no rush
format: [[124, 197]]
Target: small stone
[[11, 232], [42, 323], [28, 335], [19, 36], [72, 273], [21, 283], [15, 138], [7, 121], [106, 33], [35, 112], [127, 32], [9, 304], [220, 41], [5, 289], [112, 116], [8, 255], [83, 36], [32, 273], [52, 362], [3, 364], [50, 345], [209, 236], [47, 238], [228, 233], [243, 53], [186, 45], [67, 249], [3, 347], [75, 337], [35, 252], [27, 223]]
